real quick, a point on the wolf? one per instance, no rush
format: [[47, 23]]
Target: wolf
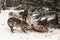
[[26, 16], [13, 14], [15, 22]]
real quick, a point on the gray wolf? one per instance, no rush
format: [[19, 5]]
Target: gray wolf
[[15, 22]]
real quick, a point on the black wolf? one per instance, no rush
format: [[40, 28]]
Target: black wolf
[[24, 14], [15, 22]]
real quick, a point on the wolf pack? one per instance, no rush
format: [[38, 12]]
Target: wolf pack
[[23, 21]]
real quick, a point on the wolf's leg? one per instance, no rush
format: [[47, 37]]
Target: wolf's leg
[[11, 29], [10, 24], [22, 28]]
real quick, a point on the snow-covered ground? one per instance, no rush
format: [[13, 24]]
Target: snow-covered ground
[[6, 34]]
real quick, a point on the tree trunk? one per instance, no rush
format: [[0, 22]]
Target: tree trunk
[[56, 18]]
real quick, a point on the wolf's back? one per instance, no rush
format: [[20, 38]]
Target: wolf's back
[[13, 21]]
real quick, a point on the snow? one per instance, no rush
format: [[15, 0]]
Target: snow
[[51, 17], [48, 17], [43, 18], [6, 34]]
